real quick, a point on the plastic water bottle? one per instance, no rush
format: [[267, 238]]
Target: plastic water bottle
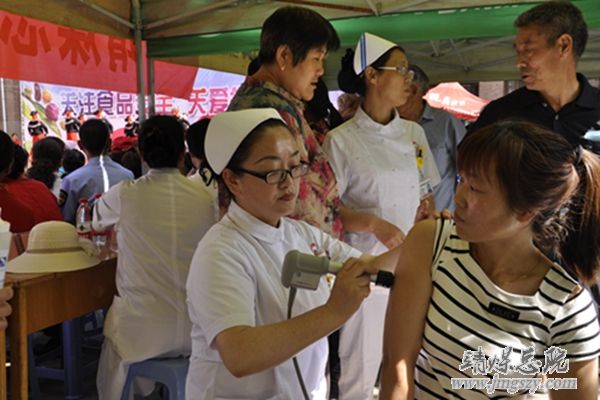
[[5, 237], [83, 219], [101, 238]]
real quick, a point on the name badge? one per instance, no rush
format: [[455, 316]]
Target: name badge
[[504, 312]]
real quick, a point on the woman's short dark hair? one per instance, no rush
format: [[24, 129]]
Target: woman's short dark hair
[[301, 29], [19, 163], [539, 171], [161, 141], [46, 158], [349, 81]]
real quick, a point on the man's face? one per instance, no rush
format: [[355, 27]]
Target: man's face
[[537, 61]]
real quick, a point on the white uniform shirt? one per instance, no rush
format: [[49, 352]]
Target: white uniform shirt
[[376, 169], [234, 280], [56, 185], [212, 191], [159, 219]]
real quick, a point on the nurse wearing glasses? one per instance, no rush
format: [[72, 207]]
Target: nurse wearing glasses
[[242, 341], [384, 167]]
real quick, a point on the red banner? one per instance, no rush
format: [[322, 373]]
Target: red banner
[[40, 51]]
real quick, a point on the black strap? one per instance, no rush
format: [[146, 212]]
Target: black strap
[[442, 234]]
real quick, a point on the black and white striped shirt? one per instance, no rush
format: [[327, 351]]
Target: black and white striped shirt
[[468, 310]]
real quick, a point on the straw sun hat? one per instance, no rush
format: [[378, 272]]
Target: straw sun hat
[[54, 246]]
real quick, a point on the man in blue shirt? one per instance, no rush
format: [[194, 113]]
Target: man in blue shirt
[[97, 176], [444, 132]]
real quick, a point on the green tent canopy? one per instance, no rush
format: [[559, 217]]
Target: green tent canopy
[[469, 22], [466, 40]]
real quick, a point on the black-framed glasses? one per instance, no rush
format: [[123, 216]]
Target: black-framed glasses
[[278, 176], [404, 71]]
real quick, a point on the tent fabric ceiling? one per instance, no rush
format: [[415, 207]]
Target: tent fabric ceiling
[[79, 14], [472, 22], [452, 39], [168, 18]]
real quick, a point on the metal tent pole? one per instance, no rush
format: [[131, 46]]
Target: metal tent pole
[[139, 58], [151, 99]]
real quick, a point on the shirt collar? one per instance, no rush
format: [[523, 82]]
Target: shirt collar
[[276, 89], [94, 160], [586, 97], [252, 225], [163, 171], [427, 112], [366, 123]]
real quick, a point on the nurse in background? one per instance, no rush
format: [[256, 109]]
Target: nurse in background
[[159, 219], [194, 138], [384, 167], [242, 341]]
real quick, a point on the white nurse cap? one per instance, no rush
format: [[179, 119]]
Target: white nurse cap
[[227, 130], [368, 50]]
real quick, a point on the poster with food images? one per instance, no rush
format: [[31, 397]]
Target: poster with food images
[[213, 90]]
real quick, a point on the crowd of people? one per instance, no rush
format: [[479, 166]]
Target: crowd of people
[[200, 257]]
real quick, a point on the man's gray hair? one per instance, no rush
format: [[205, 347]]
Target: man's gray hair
[[421, 80], [557, 18]]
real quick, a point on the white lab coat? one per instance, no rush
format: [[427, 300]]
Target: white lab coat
[[159, 220], [376, 170], [235, 280], [212, 190]]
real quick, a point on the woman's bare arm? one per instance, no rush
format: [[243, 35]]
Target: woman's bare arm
[[407, 309]]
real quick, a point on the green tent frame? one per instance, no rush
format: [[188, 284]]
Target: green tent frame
[[470, 22]]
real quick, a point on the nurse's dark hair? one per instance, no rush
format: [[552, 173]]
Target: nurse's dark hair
[[349, 81], [556, 18], [161, 141], [301, 29], [194, 137], [540, 172]]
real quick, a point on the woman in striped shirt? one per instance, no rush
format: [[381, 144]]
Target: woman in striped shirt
[[525, 198]]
